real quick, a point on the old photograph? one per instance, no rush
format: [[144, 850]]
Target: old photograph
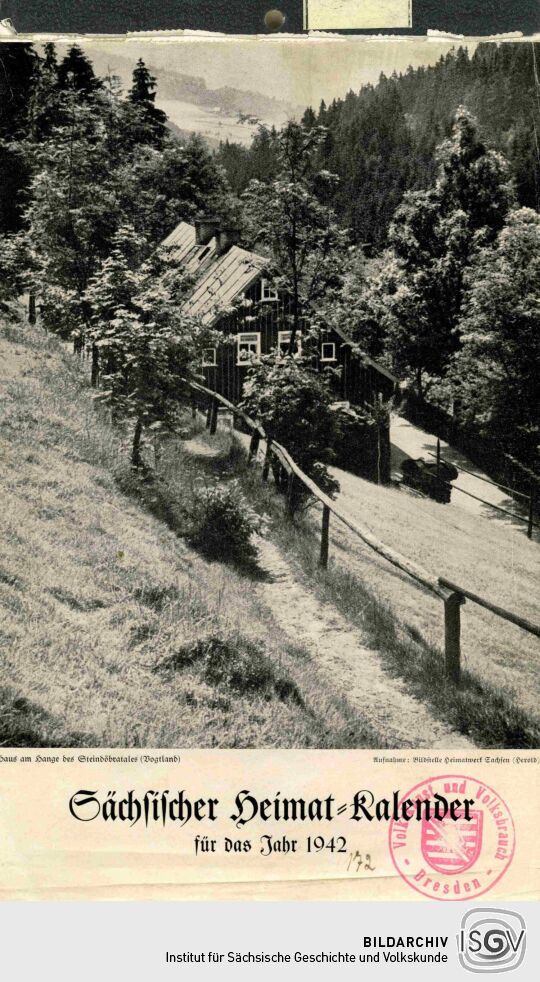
[[270, 419]]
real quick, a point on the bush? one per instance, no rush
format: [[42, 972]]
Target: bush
[[223, 523], [294, 404], [363, 443]]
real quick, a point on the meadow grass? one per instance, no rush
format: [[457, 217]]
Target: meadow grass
[[115, 632]]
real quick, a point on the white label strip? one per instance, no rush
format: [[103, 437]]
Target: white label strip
[[356, 14]]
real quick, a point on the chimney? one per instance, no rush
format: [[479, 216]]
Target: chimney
[[227, 236], [206, 226]]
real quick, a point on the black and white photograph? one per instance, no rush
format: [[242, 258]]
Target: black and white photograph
[[270, 416]]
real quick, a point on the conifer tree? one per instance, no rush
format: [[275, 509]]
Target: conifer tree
[[17, 72], [75, 72], [151, 122], [50, 61]]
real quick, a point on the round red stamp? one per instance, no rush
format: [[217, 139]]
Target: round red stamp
[[452, 850]]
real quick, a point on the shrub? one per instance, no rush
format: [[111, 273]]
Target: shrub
[[223, 523], [363, 442], [294, 404]]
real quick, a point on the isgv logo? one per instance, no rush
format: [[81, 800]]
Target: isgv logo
[[491, 940]]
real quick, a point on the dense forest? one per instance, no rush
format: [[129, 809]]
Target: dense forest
[[407, 212], [381, 141]]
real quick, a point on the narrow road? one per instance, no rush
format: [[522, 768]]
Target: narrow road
[[410, 441]]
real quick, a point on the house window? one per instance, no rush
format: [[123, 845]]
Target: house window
[[267, 291], [248, 349], [209, 358], [328, 351], [284, 338]]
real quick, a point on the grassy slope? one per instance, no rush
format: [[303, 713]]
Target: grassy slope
[[402, 623], [497, 703], [106, 616], [487, 557]]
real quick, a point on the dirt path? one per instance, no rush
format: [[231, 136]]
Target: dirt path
[[199, 449], [352, 668], [338, 649]]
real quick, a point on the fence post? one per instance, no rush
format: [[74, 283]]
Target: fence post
[[31, 308], [193, 406], [323, 561], [290, 493], [254, 445], [452, 636], [213, 416], [94, 372], [266, 465], [531, 513], [438, 456], [208, 416]]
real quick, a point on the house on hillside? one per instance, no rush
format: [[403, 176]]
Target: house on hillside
[[232, 293]]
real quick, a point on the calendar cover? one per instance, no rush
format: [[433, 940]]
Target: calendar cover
[[269, 350]]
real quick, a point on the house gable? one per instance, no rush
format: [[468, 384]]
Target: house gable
[[221, 278]]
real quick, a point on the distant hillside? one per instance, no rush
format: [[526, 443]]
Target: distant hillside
[[187, 88], [174, 85], [216, 114], [382, 140]]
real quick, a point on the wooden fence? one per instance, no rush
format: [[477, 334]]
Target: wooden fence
[[453, 596], [481, 449], [530, 498]]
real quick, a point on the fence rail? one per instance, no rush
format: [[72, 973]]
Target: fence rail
[[453, 596], [469, 440], [529, 498]]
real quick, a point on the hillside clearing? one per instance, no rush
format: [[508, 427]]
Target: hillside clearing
[[343, 651], [383, 664], [496, 704], [113, 624], [484, 556]]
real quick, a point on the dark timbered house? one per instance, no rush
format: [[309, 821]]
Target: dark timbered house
[[232, 293]]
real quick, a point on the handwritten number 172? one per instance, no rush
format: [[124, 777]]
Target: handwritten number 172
[[358, 862]]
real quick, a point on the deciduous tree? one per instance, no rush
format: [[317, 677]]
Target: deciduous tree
[[148, 347], [495, 375], [293, 403], [290, 219]]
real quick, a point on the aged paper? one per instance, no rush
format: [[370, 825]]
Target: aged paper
[[54, 848], [356, 14], [269, 551]]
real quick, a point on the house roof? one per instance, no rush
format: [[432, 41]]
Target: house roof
[[186, 251], [224, 280], [183, 238]]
